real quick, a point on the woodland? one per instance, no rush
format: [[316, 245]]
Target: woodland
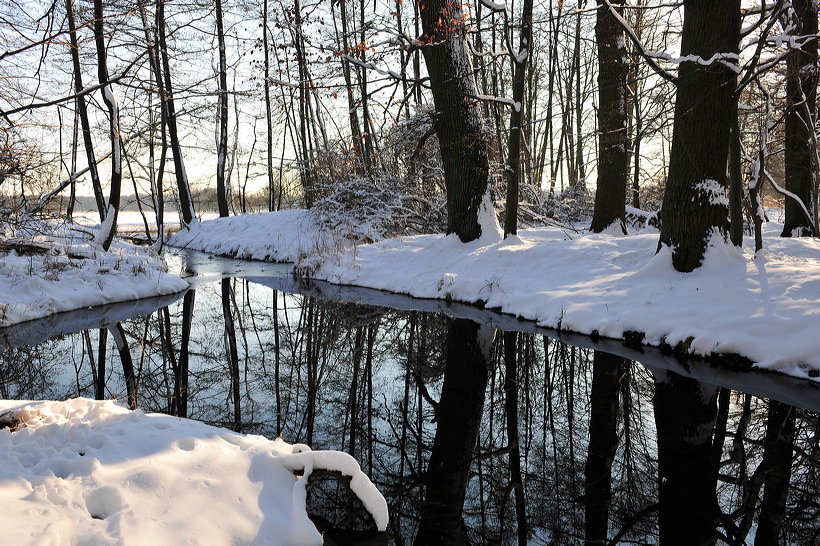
[[385, 120], [408, 114]]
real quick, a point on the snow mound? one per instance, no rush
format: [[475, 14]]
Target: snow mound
[[92, 472]]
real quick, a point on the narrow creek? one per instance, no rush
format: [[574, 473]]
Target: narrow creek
[[476, 427]]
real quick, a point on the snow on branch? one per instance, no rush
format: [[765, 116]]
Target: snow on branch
[[500, 100], [630, 32], [783, 191], [494, 6], [371, 66], [730, 59]]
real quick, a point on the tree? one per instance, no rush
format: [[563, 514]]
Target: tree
[[186, 201], [512, 170], [109, 226], [613, 138], [457, 118], [222, 140], [695, 206], [801, 96], [83, 110]]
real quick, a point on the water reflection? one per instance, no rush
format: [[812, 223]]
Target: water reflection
[[475, 436]]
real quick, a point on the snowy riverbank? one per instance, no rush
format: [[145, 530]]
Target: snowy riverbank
[[90, 472], [765, 307], [44, 275]]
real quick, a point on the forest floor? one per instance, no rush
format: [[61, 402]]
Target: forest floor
[[764, 307]]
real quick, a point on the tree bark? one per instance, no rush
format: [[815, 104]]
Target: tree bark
[[685, 415], [222, 142], [613, 139], [83, 111], [777, 462], [268, 112], [458, 414], [603, 443], [695, 204], [512, 171], [186, 202], [457, 118], [801, 96], [109, 225]]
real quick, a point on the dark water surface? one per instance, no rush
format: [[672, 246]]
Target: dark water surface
[[477, 428]]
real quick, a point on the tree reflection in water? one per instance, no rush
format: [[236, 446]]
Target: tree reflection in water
[[471, 440]]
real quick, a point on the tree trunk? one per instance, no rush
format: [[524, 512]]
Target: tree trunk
[[735, 180], [232, 353], [685, 414], [613, 139], [83, 111], [458, 416], [695, 204], [512, 170], [268, 112], [801, 96], [118, 333], [511, 387], [457, 119], [222, 142], [186, 201], [109, 225], [777, 461]]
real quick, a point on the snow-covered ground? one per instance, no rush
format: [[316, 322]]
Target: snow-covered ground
[[284, 236], [765, 307], [64, 274], [90, 472]]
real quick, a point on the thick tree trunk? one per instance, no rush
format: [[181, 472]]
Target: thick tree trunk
[[695, 204], [685, 415], [777, 461], [603, 443], [457, 119], [801, 95], [613, 139]]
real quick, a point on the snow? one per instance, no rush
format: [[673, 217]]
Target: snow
[[712, 192], [284, 236], [75, 274], [94, 472], [762, 307]]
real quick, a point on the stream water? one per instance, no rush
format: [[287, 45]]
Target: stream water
[[477, 428]]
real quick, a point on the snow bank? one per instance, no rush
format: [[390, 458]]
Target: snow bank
[[90, 472], [66, 276], [764, 307], [283, 236]]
